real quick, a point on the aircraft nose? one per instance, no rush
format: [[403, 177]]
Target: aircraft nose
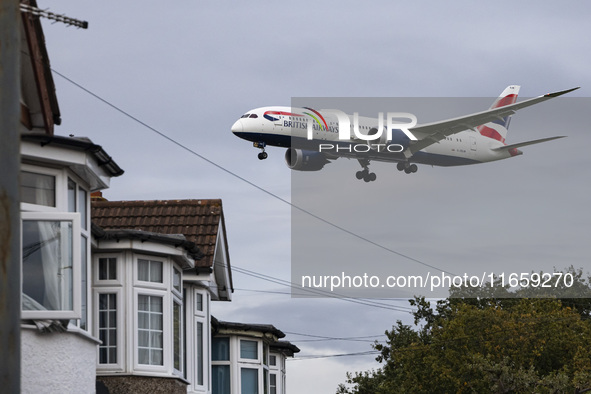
[[237, 127]]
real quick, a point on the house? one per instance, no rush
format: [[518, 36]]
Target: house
[[57, 177], [186, 289], [249, 358], [116, 295]]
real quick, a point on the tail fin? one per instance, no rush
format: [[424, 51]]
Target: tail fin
[[498, 129]]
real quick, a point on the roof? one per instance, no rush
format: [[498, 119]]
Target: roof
[[83, 144], [285, 347], [35, 54], [198, 220], [218, 325], [176, 240]]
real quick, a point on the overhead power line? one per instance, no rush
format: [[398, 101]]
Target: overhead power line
[[222, 168]]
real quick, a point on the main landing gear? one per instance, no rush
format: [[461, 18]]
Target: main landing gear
[[407, 167], [365, 174], [261, 145]]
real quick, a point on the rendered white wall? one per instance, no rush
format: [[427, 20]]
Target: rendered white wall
[[57, 362]]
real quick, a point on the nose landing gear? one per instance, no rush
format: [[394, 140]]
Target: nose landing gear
[[261, 145]]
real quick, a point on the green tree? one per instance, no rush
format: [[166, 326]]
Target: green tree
[[485, 344]]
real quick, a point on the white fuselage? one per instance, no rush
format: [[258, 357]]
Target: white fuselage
[[290, 127]]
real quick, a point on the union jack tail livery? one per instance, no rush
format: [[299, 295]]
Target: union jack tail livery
[[497, 129]]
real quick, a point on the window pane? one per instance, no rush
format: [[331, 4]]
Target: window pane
[[249, 381], [176, 279], [200, 354], [71, 196], [176, 326], [273, 383], [82, 196], [156, 304], [273, 360], [108, 328], [220, 349], [143, 356], [248, 349], [143, 320], [107, 268], [38, 189], [143, 270], [143, 303], [150, 271], [220, 379], [265, 381], [47, 265], [84, 282], [156, 271], [199, 303], [143, 338], [156, 340], [265, 354], [156, 357], [155, 321], [112, 268], [150, 332]]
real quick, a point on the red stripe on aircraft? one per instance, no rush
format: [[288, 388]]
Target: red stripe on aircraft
[[507, 100], [281, 113], [490, 133]]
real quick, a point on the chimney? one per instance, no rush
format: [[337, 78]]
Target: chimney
[[97, 196]]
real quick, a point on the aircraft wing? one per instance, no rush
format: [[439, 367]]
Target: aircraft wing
[[431, 133]]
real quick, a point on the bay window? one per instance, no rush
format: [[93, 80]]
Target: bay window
[[55, 245]]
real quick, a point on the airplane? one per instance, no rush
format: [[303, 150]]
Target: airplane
[[315, 138]]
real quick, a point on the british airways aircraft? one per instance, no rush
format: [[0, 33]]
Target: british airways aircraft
[[315, 138]]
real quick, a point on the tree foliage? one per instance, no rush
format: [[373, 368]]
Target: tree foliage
[[485, 344]]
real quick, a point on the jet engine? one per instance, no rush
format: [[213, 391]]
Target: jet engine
[[305, 160]]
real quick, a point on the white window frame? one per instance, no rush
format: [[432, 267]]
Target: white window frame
[[198, 317], [204, 303], [164, 285], [178, 293], [121, 324], [61, 189], [118, 269], [260, 383], [175, 300], [276, 386], [167, 341], [76, 311], [230, 362], [86, 233], [257, 360]]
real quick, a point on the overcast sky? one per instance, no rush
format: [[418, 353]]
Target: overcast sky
[[191, 68]]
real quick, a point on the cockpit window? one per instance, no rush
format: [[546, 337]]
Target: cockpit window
[[245, 116], [253, 116]]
